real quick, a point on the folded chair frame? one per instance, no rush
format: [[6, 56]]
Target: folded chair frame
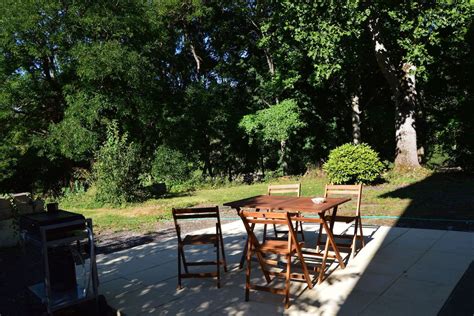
[[196, 240], [289, 249]]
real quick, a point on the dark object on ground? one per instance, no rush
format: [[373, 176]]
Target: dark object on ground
[[52, 207], [460, 301], [18, 269], [90, 308], [156, 189]]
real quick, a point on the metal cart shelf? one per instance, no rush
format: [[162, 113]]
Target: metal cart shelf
[[59, 299]]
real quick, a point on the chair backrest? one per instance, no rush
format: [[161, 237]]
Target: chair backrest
[[194, 213], [285, 188], [266, 218], [354, 190]]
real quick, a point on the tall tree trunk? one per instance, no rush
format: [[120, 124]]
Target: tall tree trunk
[[283, 163], [402, 84], [407, 151], [356, 136]]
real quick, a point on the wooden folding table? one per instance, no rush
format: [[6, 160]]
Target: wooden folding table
[[294, 204]]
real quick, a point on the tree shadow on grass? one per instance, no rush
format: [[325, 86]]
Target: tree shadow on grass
[[413, 270], [440, 201]]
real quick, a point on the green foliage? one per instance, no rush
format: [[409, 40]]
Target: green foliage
[[274, 124], [117, 168], [206, 78], [170, 166], [352, 164], [422, 27]]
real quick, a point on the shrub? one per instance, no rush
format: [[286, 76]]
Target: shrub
[[351, 163], [117, 168], [170, 166]]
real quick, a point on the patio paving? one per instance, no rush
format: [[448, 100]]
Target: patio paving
[[401, 271]]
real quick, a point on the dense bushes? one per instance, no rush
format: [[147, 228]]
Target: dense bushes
[[170, 167], [351, 163], [117, 168]]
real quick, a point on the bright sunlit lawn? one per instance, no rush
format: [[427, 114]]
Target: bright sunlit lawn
[[428, 196]]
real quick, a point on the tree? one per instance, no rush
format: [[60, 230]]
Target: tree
[[274, 124], [187, 74], [403, 34]]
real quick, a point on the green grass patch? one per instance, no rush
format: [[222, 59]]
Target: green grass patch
[[414, 194]]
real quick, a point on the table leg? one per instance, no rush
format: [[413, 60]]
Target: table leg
[[333, 218], [244, 254], [332, 242], [330, 236]]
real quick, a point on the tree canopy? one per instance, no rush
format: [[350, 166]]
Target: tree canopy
[[231, 87]]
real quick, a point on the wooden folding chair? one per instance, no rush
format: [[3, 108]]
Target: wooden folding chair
[[353, 191], [285, 188], [203, 239], [288, 249]]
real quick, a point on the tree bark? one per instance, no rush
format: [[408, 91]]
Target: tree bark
[[356, 135], [197, 59], [283, 163], [407, 150], [401, 81]]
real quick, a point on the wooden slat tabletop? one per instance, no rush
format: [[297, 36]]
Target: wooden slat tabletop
[[287, 203]]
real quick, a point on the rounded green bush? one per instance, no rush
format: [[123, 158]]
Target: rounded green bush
[[351, 163]]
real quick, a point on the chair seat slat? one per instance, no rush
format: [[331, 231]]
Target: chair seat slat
[[195, 210], [266, 221], [188, 216], [343, 192], [343, 186]]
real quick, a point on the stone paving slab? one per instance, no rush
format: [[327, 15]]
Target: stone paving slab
[[401, 271]]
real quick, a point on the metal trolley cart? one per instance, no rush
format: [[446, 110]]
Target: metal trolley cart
[[64, 240]]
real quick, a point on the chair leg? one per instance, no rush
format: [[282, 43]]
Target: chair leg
[[275, 231], [218, 264], [247, 273], [185, 264], [318, 241], [301, 231], [361, 233], [244, 254], [179, 267], [222, 249], [264, 232], [323, 262], [287, 281], [354, 239]]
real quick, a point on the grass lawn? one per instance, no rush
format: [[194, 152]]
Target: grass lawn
[[428, 196]]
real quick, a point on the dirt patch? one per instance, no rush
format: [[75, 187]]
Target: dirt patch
[[108, 242]]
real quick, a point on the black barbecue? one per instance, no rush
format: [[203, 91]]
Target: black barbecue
[[64, 239]]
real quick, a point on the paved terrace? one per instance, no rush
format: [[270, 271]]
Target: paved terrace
[[401, 271]]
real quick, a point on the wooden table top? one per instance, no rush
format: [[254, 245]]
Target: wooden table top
[[287, 203]]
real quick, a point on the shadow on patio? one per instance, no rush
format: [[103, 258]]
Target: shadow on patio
[[417, 264]]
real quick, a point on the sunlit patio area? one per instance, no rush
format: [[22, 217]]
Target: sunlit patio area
[[399, 271]]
